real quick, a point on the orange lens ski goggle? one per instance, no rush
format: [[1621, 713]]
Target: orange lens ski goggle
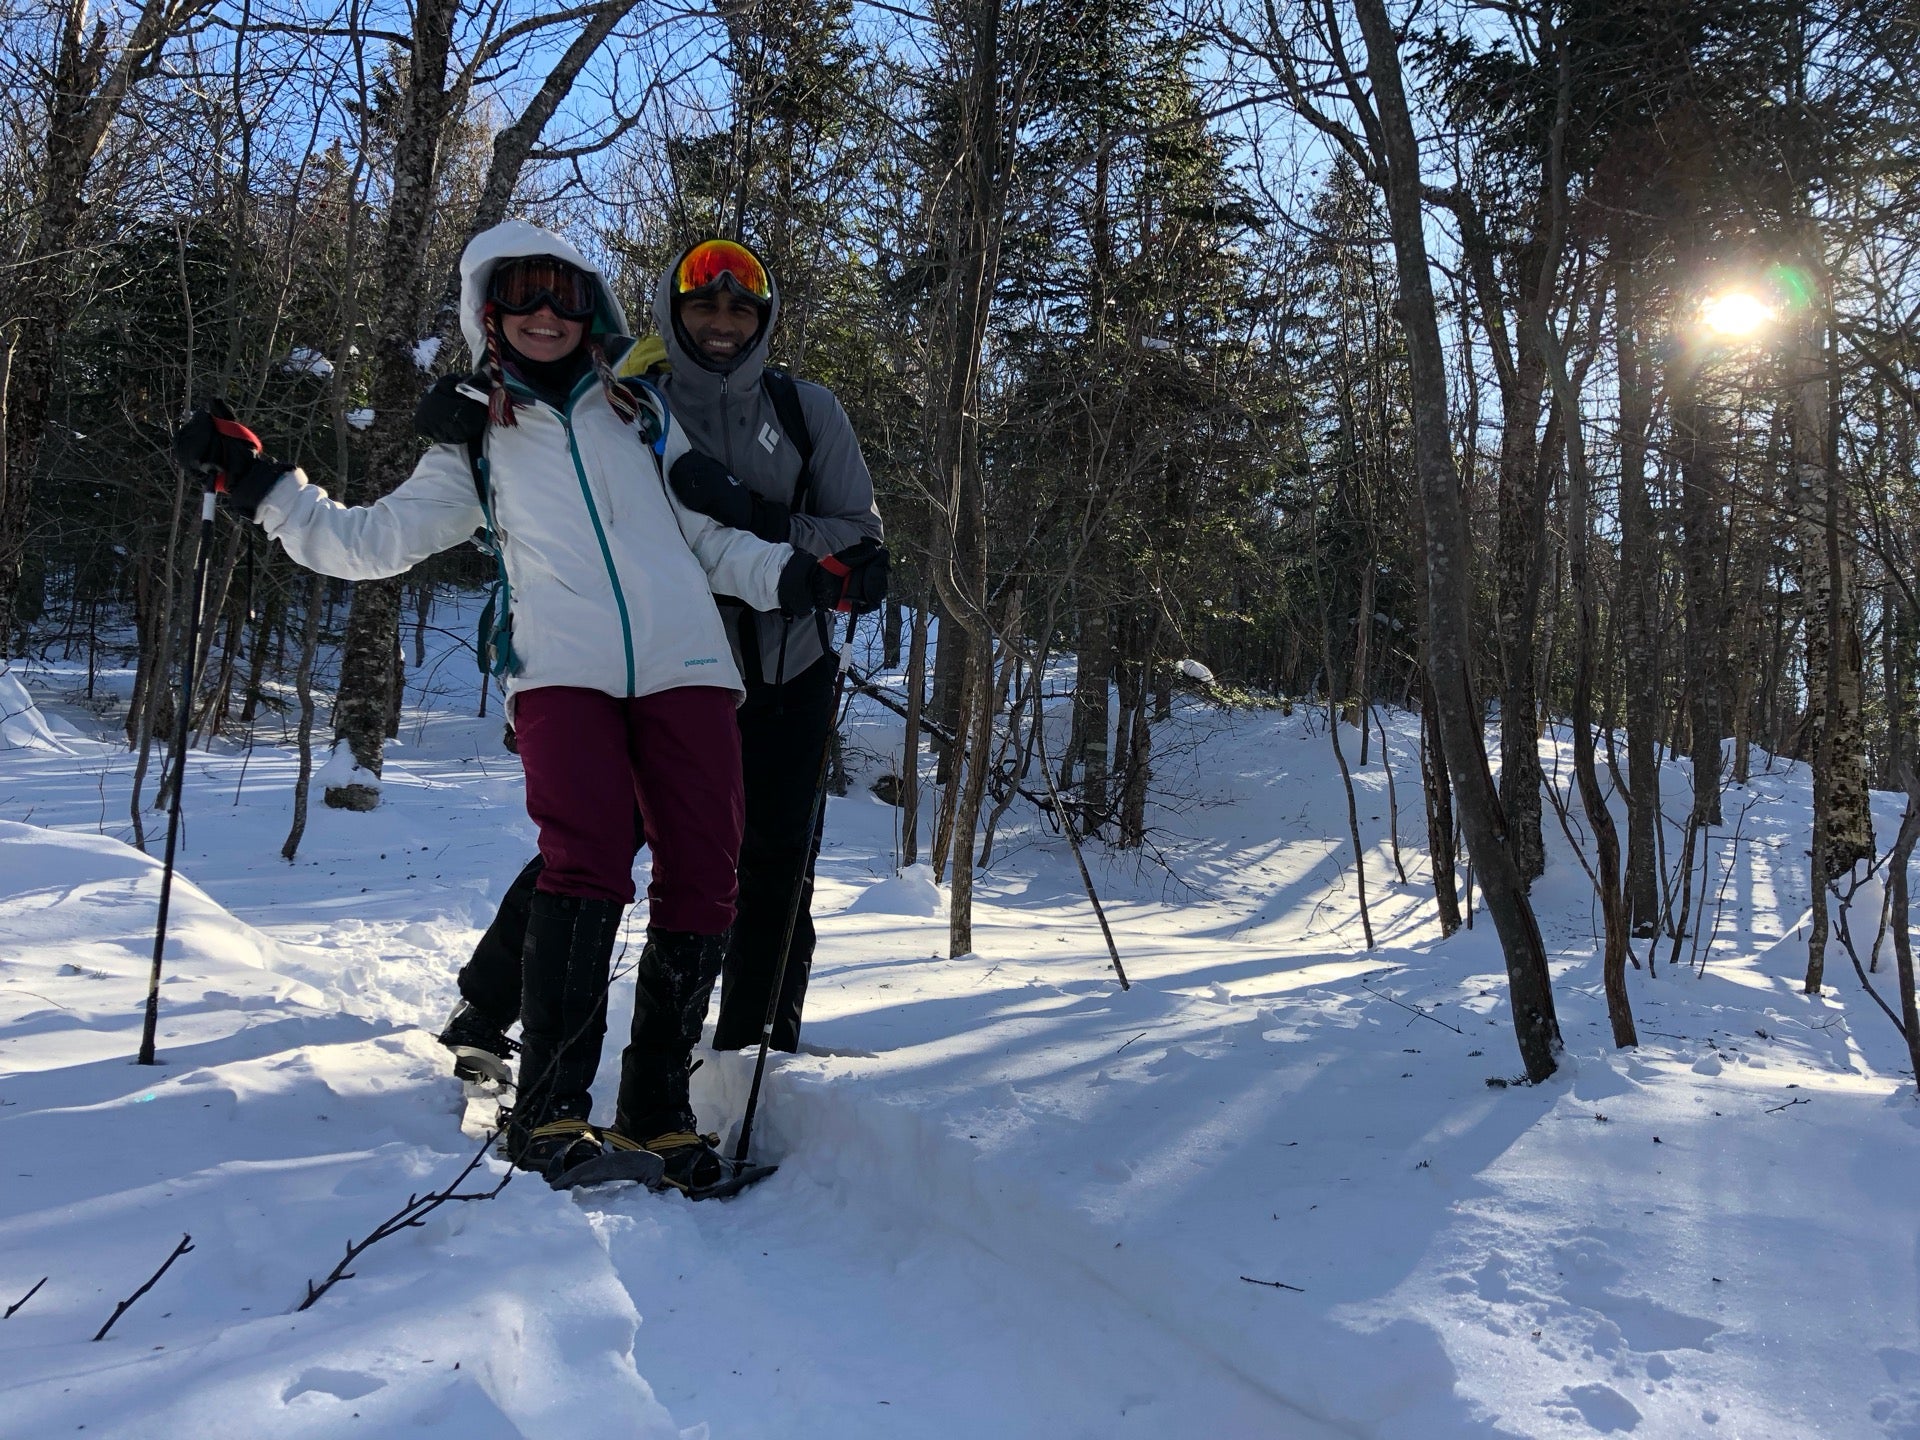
[[713, 262]]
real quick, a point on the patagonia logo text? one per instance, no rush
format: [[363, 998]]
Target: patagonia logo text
[[703, 660]]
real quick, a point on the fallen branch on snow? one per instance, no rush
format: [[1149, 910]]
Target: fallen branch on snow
[[1274, 1284], [26, 1297], [186, 1244], [407, 1217]]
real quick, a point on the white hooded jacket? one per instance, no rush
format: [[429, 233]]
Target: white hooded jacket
[[610, 574]]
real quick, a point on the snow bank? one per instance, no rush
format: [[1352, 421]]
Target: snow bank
[[274, 1130], [22, 726], [912, 892]]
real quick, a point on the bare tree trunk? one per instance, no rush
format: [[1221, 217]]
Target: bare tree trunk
[[1522, 511], [1606, 840], [1359, 690], [1346, 776], [422, 609], [910, 742], [1393, 798], [956, 758], [1701, 544], [949, 688], [966, 817], [1092, 709], [303, 687], [1897, 882], [1438, 792], [1138, 769], [1448, 554], [365, 701], [890, 636]]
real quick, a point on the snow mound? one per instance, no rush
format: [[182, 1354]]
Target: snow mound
[[1194, 670], [339, 769], [912, 892], [61, 891], [22, 726]]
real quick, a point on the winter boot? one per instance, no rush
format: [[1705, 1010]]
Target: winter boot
[[490, 980], [689, 1163], [552, 1148], [672, 987], [482, 1053], [693, 1163], [563, 1018]]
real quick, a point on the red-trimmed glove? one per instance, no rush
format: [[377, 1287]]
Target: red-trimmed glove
[[854, 579], [214, 444]]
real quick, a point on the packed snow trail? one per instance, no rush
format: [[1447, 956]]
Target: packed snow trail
[[1255, 1196]]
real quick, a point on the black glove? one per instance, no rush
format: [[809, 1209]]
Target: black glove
[[853, 580], [448, 416], [245, 493], [703, 484], [214, 444]]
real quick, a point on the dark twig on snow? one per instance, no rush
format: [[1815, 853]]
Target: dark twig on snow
[[1797, 1100], [186, 1244], [408, 1216], [418, 1207], [1274, 1284], [26, 1297], [1073, 844], [1846, 940], [1141, 1036], [1423, 1014]]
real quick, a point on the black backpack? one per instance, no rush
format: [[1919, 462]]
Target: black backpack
[[784, 391]]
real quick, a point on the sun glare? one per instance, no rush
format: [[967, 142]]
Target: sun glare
[[1736, 314]]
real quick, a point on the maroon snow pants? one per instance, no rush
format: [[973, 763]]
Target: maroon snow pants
[[589, 756]]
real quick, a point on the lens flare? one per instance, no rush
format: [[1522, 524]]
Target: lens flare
[[1737, 314]]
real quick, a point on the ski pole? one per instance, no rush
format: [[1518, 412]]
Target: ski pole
[[207, 501], [799, 891]]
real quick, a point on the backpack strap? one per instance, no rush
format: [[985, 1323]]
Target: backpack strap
[[477, 463], [784, 392], [494, 642]]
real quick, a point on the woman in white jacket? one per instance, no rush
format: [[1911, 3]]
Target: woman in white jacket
[[618, 672]]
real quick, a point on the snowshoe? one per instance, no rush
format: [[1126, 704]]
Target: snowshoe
[[554, 1149], [610, 1167], [691, 1164], [482, 1053]]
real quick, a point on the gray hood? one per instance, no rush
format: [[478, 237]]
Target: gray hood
[[693, 382]]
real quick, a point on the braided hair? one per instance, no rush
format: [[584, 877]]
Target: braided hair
[[619, 397], [500, 406], [499, 399]]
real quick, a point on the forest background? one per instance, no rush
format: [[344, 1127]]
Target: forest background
[[1511, 363]]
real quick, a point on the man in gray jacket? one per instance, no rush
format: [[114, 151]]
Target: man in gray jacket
[[777, 457]]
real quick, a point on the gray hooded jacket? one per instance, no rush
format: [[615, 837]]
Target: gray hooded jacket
[[731, 418]]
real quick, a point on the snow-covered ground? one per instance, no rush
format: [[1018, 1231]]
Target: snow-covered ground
[[1260, 1194]]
